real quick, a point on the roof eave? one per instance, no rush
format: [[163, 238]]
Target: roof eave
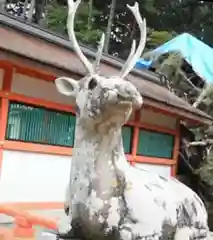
[[51, 37], [193, 119]]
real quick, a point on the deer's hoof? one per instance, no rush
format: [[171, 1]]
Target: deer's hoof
[[64, 225]]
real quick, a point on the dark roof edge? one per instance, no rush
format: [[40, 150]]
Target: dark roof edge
[[198, 113], [51, 37]]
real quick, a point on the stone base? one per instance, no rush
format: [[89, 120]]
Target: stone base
[[46, 235], [50, 235]]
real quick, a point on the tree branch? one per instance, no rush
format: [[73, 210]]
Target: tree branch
[[200, 143], [109, 26], [189, 82]]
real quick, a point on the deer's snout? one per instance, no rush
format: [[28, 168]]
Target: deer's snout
[[128, 92], [137, 102]]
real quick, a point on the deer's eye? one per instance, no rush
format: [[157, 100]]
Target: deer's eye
[[92, 84]]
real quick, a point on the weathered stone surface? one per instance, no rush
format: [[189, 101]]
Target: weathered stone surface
[[107, 198]]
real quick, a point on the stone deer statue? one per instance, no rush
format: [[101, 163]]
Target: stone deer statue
[[108, 198]]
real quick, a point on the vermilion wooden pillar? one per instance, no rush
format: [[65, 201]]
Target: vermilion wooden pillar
[[6, 86], [176, 149]]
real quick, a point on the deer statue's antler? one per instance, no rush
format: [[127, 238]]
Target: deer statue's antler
[[135, 55], [73, 6], [99, 53]]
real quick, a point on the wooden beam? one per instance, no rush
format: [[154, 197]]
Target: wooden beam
[[6, 85], [38, 148], [135, 136], [176, 149], [36, 101]]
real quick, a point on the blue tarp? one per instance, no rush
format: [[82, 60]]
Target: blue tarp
[[196, 53], [143, 64]]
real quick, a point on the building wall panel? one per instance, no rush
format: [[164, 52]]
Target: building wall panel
[[33, 177], [162, 170], [37, 88], [159, 119]]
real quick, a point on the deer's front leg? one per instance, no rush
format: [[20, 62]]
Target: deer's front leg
[[126, 233], [64, 224]]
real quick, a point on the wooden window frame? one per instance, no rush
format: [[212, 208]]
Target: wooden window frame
[[28, 146], [157, 132], [46, 111], [132, 132], [134, 158]]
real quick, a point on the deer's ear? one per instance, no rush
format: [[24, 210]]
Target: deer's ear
[[67, 86]]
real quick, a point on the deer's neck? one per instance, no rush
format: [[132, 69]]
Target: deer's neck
[[94, 158], [98, 146]]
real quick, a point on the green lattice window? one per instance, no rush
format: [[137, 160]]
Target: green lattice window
[[127, 138], [40, 125], [154, 144]]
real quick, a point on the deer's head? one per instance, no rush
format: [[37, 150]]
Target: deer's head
[[100, 99]]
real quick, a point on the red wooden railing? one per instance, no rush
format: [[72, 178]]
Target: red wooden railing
[[23, 224]]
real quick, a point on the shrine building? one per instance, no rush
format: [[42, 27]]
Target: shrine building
[[37, 123]]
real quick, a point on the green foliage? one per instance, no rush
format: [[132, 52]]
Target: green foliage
[[56, 15], [208, 99], [149, 6], [163, 17], [170, 65], [206, 171], [89, 36], [157, 38], [190, 16]]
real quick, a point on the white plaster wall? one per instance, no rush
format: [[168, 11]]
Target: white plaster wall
[[1, 77], [33, 177], [37, 88], [162, 170]]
